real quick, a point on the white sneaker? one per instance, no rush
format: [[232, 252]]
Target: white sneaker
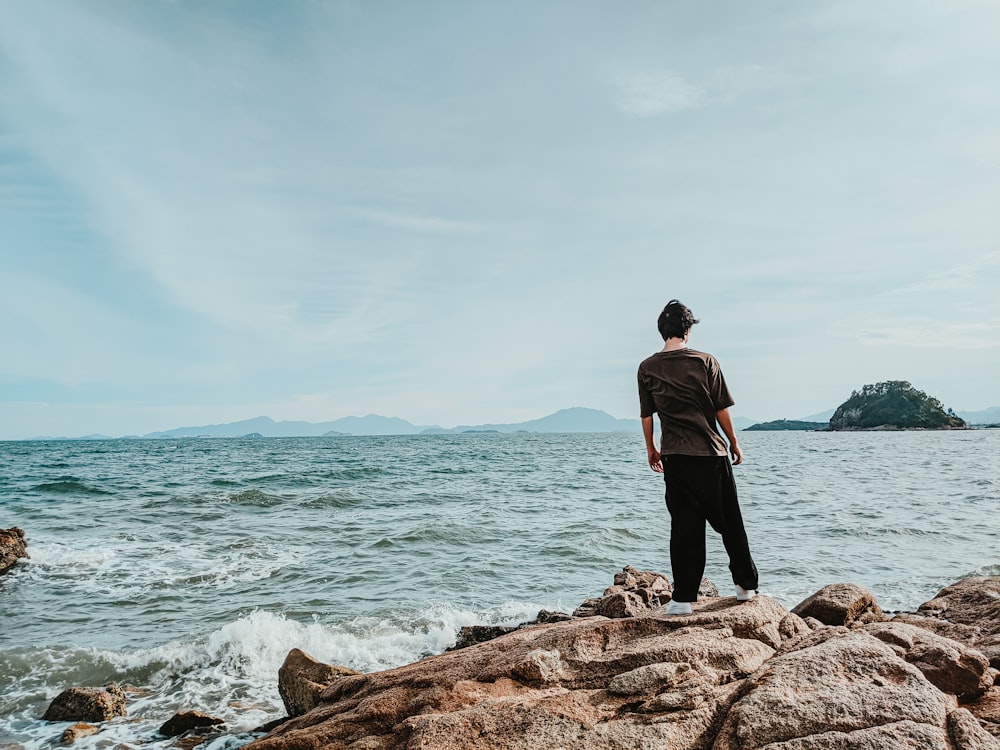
[[742, 595], [678, 608]]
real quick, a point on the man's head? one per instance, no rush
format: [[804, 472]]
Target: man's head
[[675, 321]]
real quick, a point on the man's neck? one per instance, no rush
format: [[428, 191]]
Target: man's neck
[[673, 344]]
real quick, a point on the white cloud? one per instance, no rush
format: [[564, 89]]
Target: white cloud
[[417, 223], [955, 308], [649, 94]]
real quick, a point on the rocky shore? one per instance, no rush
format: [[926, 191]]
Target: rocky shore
[[836, 672]]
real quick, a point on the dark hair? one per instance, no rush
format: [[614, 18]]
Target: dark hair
[[675, 320]]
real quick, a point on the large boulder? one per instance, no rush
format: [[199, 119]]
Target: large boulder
[[973, 603], [87, 704], [951, 666], [13, 547], [301, 680], [841, 604], [837, 688], [594, 682]]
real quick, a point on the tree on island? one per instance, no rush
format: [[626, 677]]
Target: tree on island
[[893, 404]]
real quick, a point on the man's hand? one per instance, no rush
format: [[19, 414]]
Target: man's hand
[[654, 460], [737, 454]]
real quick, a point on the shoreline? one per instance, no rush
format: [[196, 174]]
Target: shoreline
[[620, 671]]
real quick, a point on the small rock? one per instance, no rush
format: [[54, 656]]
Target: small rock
[[183, 722], [87, 704], [301, 679], [547, 615], [841, 604], [968, 734], [634, 593], [190, 742], [470, 635], [12, 548], [792, 625], [78, 730]]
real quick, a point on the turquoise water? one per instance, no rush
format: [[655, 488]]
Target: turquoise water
[[189, 568]]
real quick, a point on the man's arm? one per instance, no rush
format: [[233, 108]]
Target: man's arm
[[651, 452], [726, 422]]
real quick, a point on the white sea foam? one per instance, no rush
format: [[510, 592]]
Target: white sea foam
[[232, 671]]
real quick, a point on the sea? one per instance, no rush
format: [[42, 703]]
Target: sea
[[187, 568]]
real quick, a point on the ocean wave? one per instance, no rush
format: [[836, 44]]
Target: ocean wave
[[68, 486], [230, 672]]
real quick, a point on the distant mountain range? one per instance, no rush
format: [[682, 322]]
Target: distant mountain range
[[575, 419], [984, 416]]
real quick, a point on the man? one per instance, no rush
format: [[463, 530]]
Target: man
[[686, 389]]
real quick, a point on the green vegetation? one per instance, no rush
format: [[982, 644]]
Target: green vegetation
[[787, 424], [894, 404]]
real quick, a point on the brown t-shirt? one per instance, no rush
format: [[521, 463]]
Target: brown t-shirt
[[685, 388]]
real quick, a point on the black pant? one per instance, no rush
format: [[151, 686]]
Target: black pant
[[699, 489]]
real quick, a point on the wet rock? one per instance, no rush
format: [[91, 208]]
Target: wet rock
[[87, 704], [951, 666], [187, 721], [547, 615], [13, 547], [470, 635], [301, 680], [78, 730], [841, 604], [972, 602]]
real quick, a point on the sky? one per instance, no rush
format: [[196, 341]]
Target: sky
[[460, 213]]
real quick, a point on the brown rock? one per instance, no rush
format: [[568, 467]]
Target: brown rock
[[301, 680], [971, 602], [952, 667], [12, 548], [968, 734], [986, 708], [634, 592], [841, 604], [470, 635], [841, 689], [78, 730], [635, 682], [87, 704], [792, 625], [183, 722]]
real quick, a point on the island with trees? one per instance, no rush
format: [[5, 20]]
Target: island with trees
[[893, 405]]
